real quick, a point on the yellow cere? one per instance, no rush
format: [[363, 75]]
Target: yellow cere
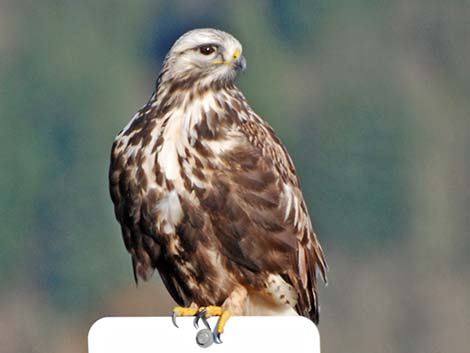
[[236, 55]]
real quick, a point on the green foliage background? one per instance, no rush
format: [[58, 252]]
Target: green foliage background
[[370, 97]]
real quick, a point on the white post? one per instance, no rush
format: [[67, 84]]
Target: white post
[[243, 334]]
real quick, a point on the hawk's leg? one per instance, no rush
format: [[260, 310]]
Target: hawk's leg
[[209, 311], [233, 305], [221, 325]]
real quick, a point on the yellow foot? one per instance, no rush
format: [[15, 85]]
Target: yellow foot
[[206, 312], [182, 311], [221, 325]]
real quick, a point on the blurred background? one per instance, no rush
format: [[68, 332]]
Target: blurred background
[[372, 99]]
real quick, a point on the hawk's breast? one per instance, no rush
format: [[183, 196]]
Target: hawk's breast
[[170, 164]]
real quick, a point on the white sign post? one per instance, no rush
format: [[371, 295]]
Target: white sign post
[[243, 334]]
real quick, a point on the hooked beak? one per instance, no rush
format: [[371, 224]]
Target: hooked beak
[[240, 63]]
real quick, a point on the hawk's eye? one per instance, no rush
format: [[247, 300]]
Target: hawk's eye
[[207, 49]]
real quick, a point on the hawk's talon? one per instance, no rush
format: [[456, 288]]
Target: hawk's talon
[[182, 311], [219, 328], [217, 339], [173, 319], [201, 315]]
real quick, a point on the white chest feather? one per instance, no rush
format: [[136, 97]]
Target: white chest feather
[[175, 141]]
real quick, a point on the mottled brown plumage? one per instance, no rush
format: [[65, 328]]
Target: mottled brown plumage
[[206, 193]]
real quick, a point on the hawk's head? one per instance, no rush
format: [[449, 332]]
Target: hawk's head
[[204, 54]]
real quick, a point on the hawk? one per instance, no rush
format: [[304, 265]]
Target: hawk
[[206, 193]]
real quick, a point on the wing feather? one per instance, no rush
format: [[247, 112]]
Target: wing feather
[[261, 218]]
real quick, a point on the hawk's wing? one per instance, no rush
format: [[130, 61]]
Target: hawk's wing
[[260, 217], [128, 187]]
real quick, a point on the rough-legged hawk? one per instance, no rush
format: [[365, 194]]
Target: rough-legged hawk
[[206, 193]]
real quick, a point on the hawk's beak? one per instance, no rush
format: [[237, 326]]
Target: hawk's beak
[[240, 63]]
